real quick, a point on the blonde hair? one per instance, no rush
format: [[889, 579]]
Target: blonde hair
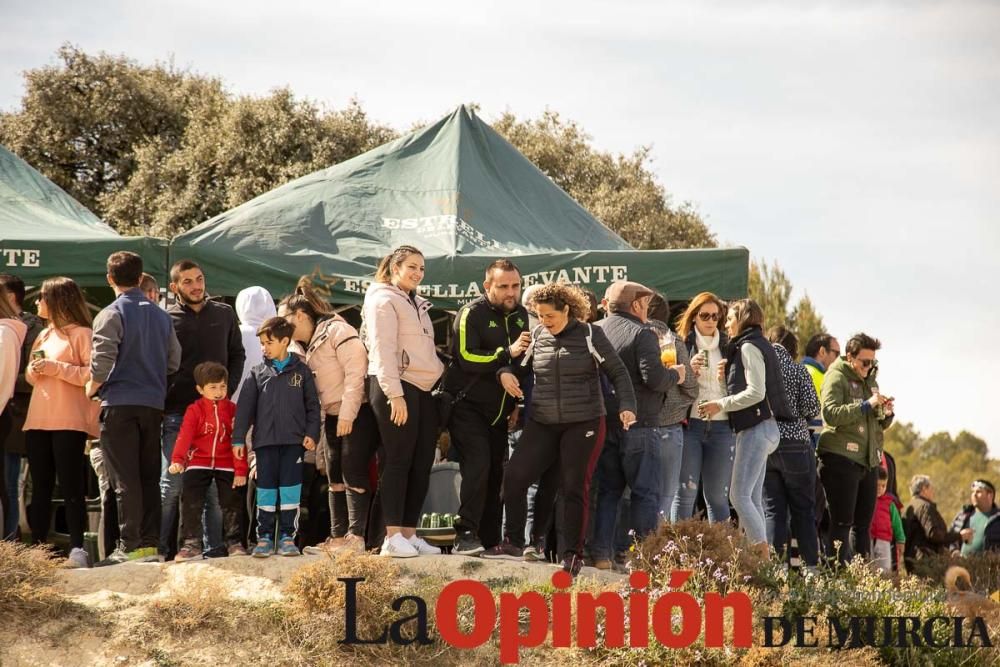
[[560, 295], [383, 274], [746, 314]]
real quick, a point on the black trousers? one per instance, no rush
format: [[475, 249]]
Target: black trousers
[[851, 493], [349, 463], [481, 449], [574, 448], [58, 455], [407, 453], [130, 440], [194, 487]]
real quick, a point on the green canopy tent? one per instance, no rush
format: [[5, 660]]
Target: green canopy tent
[[44, 232], [463, 195]]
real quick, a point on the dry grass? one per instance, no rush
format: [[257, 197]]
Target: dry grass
[[27, 578]]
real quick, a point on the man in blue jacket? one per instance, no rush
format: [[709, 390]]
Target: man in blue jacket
[[134, 349]]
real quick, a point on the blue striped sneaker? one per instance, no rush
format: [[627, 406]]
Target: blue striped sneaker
[[264, 548]]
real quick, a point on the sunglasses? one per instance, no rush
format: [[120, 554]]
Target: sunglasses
[[865, 363], [705, 317]]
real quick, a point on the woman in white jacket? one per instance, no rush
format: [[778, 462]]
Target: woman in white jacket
[[403, 367]]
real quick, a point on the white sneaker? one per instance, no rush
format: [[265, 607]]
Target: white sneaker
[[423, 548], [397, 546]]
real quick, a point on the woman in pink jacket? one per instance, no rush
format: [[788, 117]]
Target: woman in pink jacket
[[339, 362], [60, 417], [403, 367]]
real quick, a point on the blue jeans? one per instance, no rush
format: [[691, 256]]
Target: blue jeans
[[671, 456], [753, 446], [790, 488], [629, 458], [170, 495], [11, 504], [707, 458]]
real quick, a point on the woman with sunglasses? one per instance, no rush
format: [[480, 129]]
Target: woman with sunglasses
[[708, 443], [850, 445]]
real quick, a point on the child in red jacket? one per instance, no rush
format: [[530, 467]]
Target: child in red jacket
[[204, 453]]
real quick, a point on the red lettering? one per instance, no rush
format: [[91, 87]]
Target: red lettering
[[586, 619], [638, 611], [715, 619], [562, 631], [511, 639], [484, 618], [663, 626]]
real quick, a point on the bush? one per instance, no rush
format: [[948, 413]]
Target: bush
[[27, 576]]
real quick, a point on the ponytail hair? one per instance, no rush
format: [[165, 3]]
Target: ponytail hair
[[383, 274], [305, 299]]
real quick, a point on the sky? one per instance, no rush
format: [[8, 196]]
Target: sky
[[855, 143]]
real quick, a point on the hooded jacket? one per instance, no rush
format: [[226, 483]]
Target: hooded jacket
[[850, 427], [254, 306], [205, 438], [399, 336], [12, 334], [339, 363]]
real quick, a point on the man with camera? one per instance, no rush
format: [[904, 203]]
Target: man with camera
[[489, 333]]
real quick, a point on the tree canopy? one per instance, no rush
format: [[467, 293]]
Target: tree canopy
[[772, 290]]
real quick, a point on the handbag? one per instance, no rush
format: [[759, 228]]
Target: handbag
[[446, 401]]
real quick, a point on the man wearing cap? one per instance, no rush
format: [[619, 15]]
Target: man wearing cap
[[634, 457], [979, 523]]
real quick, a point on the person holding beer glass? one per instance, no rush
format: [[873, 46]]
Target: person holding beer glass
[[708, 442]]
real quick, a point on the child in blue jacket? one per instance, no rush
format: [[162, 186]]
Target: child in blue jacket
[[279, 399]]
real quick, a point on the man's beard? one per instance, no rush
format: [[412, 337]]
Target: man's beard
[[187, 301]]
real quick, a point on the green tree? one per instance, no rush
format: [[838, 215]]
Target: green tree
[[806, 321], [82, 119], [620, 190], [771, 289], [233, 152]]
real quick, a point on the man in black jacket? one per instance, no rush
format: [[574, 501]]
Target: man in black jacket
[[633, 457], [978, 523], [207, 331], [489, 333]]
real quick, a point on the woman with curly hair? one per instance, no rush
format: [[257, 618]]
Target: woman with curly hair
[[565, 419]]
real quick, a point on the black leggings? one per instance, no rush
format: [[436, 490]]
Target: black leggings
[[406, 454], [851, 493], [348, 462], [52, 455], [574, 448]]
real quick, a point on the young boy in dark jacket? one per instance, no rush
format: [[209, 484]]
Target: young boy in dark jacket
[[280, 401], [204, 453]]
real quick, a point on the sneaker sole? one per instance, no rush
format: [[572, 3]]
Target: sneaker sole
[[503, 557], [388, 554], [468, 552], [261, 555]]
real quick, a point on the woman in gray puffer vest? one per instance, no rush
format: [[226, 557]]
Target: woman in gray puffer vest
[[565, 417]]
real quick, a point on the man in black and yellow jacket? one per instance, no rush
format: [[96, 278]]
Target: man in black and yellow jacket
[[490, 332]]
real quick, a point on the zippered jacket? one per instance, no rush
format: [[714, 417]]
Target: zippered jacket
[[281, 405], [205, 438], [339, 363], [483, 336], [399, 336]]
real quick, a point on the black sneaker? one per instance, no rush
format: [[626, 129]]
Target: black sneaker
[[504, 551], [466, 544], [572, 563]]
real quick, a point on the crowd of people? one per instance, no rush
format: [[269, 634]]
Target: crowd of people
[[578, 424]]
